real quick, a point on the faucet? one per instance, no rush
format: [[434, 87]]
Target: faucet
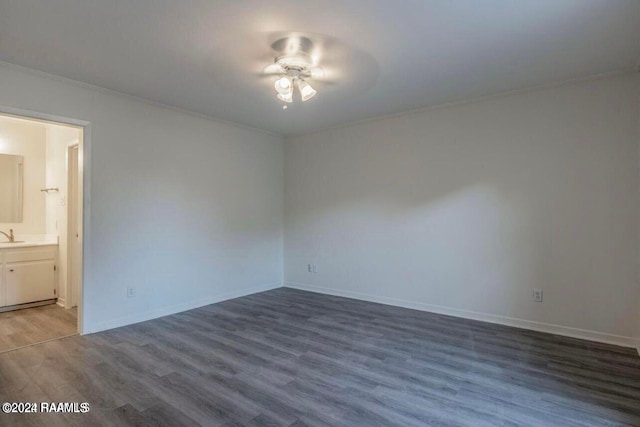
[[9, 236]]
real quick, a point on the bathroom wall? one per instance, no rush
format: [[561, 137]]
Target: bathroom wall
[[28, 139], [59, 138], [183, 209]]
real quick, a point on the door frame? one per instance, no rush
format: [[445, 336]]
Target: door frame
[[74, 258], [85, 236]]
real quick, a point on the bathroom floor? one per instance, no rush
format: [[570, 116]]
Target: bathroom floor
[[29, 326]]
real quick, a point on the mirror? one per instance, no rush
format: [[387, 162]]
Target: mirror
[[10, 188]]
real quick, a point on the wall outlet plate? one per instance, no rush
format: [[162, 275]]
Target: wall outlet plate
[[537, 295], [131, 292]]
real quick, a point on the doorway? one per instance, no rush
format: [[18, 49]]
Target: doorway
[[41, 252]]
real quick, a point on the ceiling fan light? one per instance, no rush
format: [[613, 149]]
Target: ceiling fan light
[[286, 98], [306, 91], [284, 86]]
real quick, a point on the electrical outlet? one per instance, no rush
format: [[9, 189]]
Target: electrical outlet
[[310, 268], [537, 295], [131, 292]]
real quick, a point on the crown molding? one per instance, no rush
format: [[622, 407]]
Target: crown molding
[[100, 89]]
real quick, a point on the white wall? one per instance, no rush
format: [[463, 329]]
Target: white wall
[[186, 210], [59, 138], [465, 209], [22, 138]]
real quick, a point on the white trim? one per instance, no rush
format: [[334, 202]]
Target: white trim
[[72, 202], [172, 309], [101, 89], [484, 317], [60, 302], [478, 99], [85, 241], [7, 308], [104, 90]]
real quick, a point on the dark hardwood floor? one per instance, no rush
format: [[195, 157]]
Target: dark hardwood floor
[[287, 357]]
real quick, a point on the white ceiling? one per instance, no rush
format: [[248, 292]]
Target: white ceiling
[[385, 56]]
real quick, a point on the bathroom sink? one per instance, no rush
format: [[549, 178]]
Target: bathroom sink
[[26, 244]]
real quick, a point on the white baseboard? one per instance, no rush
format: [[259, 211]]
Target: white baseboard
[[166, 311], [484, 317], [60, 302]]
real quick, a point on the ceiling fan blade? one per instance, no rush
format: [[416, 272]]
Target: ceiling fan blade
[[320, 75], [265, 76], [324, 82], [316, 73], [273, 69]]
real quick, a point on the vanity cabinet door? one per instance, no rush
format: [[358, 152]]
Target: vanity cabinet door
[[29, 282]]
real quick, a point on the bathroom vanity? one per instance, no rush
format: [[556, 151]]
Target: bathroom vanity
[[27, 274]]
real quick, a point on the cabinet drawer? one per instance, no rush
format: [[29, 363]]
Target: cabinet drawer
[[29, 282], [30, 255]]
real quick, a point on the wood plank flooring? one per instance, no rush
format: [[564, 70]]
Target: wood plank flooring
[[28, 326], [292, 358]]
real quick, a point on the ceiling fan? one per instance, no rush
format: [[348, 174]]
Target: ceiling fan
[[295, 64]]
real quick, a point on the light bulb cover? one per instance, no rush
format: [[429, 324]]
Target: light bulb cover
[[306, 91], [283, 86], [286, 98]]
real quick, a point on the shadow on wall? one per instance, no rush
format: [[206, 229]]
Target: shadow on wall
[[465, 243], [473, 224], [476, 249]]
